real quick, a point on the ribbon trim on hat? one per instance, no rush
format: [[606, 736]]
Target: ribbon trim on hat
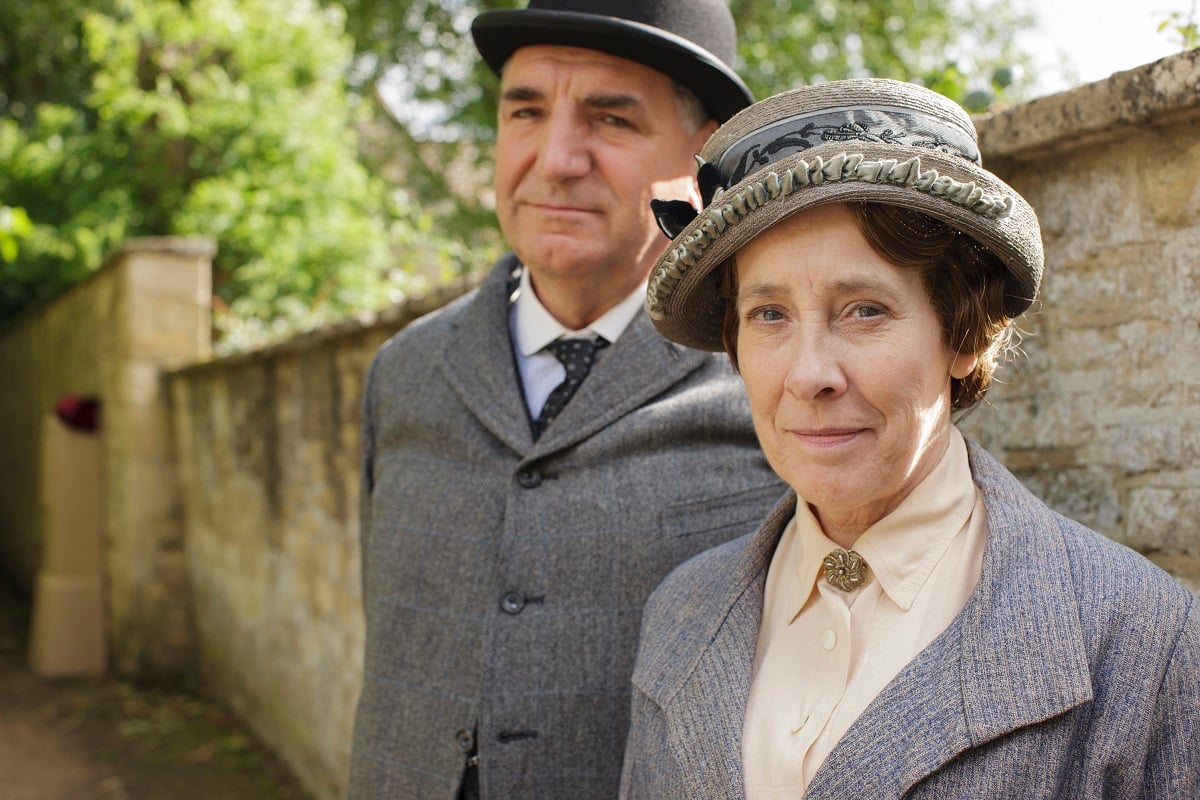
[[727, 209]]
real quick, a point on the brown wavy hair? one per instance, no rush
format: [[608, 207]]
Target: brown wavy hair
[[964, 281]]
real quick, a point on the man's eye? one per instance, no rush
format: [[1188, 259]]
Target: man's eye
[[615, 121], [865, 311]]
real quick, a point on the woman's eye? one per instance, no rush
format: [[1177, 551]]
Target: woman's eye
[[766, 314], [866, 311]]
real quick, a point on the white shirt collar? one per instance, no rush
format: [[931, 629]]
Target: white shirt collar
[[534, 327], [902, 549]]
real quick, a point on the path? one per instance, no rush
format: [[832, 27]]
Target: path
[[108, 740]]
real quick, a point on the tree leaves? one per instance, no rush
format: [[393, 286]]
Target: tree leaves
[[223, 118], [340, 150]]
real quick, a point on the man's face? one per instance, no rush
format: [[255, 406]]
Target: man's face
[[585, 141]]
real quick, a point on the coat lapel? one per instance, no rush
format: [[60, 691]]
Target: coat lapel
[[478, 363], [1013, 657], [637, 367], [703, 681]]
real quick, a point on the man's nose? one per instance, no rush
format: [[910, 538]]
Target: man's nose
[[565, 151]]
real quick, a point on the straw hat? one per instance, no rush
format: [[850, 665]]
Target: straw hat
[[868, 140], [691, 41]]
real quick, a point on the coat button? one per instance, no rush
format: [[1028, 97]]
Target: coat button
[[465, 740], [530, 477], [512, 603]]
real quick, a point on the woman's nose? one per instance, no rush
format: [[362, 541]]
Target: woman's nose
[[814, 367]]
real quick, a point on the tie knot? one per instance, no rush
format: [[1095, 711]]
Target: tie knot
[[576, 355]]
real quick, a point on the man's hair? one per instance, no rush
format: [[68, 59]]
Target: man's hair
[[964, 281], [692, 112]]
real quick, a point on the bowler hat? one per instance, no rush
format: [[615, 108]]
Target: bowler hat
[[691, 41], [865, 140]]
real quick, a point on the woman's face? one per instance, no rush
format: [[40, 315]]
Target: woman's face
[[845, 365]]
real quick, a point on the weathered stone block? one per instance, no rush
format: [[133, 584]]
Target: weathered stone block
[[1164, 518]]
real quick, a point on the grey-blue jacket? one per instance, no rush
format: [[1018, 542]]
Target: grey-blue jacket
[[1072, 672]]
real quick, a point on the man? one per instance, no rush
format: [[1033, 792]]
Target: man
[[512, 499]]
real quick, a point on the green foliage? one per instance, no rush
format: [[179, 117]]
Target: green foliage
[[39, 54], [1182, 28], [966, 54], [223, 118], [261, 123], [14, 226], [416, 59]]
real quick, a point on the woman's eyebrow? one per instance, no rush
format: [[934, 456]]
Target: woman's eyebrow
[[858, 285], [839, 286], [760, 291]]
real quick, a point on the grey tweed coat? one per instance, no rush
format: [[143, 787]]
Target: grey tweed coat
[[504, 579], [1073, 672]]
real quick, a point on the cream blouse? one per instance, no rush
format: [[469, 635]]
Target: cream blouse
[[824, 655]]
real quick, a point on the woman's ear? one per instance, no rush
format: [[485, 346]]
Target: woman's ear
[[963, 365]]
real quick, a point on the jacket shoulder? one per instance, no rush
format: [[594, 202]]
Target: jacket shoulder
[[426, 336], [689, 589], [429, 329], [1117, 590], [679, 616]]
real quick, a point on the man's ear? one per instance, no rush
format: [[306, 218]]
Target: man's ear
[[703, 134], [693, 196]]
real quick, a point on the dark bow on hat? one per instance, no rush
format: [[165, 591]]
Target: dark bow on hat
[[674, 215]]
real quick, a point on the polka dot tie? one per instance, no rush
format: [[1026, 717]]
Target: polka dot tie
[[576, 356]]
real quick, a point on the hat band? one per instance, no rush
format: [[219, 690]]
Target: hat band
[[773, 142], [728, 208]]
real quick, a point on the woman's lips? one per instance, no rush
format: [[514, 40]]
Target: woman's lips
[[827, 437]]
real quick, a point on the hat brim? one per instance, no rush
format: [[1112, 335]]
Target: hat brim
[[501, 32], [684, 297]]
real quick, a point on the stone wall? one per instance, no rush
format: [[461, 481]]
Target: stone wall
[[1102, 418], [268, 449], [58, 351], [111, 336]]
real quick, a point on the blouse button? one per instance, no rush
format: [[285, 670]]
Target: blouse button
[[829, 640]]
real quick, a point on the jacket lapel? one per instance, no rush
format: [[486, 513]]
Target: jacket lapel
[[1013, 657], [703, 680], [478, 363], [637, 367]]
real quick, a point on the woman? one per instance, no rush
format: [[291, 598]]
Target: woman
[[910, 622]]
